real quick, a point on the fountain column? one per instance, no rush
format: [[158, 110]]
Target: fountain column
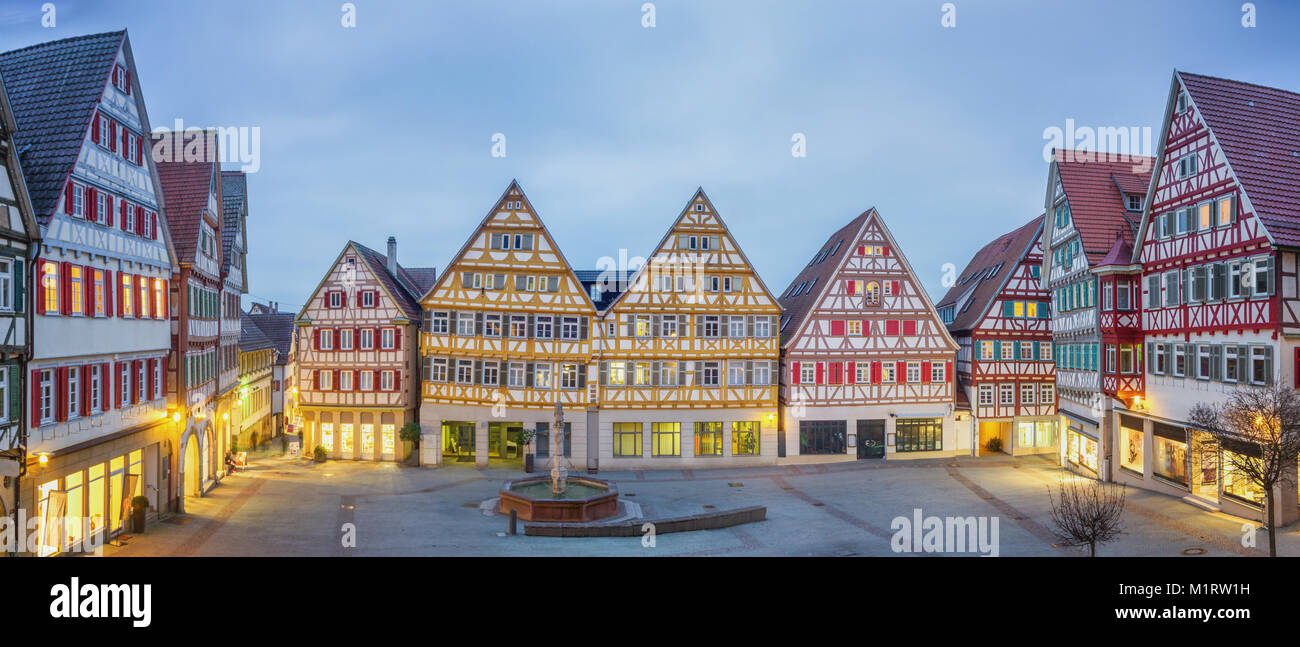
[[559, 475]]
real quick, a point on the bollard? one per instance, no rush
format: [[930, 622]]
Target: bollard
[[514, 521]]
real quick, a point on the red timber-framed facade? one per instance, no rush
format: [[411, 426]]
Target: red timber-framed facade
[[97, 408], [357, 365], [507, 336], [192, 190], [688, 355], [867, 365], [1093, 206], [1218, 249], [999, 314]]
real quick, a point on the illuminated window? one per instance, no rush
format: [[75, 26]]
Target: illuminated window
[[617, 374], [627, 439], [666, 439], [387, 440], [50, 280], [327, 436], [77, 290], [345, 437], [127, 307], [159, 292], [708, 439], [744, 438]]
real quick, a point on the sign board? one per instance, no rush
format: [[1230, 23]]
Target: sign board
[[293, 448]]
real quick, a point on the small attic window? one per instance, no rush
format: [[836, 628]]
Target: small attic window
[[1182, 102], [1133, 201], [699, 207]]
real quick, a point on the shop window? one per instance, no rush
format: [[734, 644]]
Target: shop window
[[822, 436], [627, 439], [1170, 459], [918, 434], [1130, 450], [666, 439], [708, 439], [744, 438]]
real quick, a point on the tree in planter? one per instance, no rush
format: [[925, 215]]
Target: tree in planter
[[1087, 512], [318, 454], [994, 444], [1259, 431], [526, 438], [410, 433]]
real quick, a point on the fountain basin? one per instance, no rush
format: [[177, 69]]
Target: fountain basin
[[586, 499]]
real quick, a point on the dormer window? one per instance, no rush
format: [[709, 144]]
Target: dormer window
[[121, 79], [1183, 103], [1133, 201], [699, 207]]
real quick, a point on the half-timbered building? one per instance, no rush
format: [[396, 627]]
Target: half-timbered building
[[234, 284], [1218, 251], [357, 370], [1094, 203], [255, 391], [99, 429], [506, 336], [17, 230], [1000, 316], [192, 191], [688, 355], [867, 365]]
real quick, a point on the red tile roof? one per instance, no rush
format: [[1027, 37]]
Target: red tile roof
[[1121, 253], [988, 270], [1094, 185], [185, 187], [1258, 129]]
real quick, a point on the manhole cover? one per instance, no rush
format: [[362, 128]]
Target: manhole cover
[[709, 507], [787, 488], [1194, 551], [818, 504], [736, 484], [629, 494]]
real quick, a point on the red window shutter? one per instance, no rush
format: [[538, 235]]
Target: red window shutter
[[835, 369], [68, 197], [862, 250], [850, 372], [138, 391], [139, 219], [947, 371], [895, 289], [117, 382], [335, 385], [821, 372], [866, 327], [88, 290], [39, 278], [115, 71], [375, 384], [925, 372], [901, 372], [891, 327], [909, 327], [92, 204], [105, 385], [108, 295], [356, 338], [837, 327], [886, 250], [315, 339], [65, 280], [875, 372], [139, 145], [94, 127], [149, 369], [36, 399], [356, 380], [127, 81], [794, 372], [61, 403], [397, 380], [153, 225], [112, 135], [397, 338], [85, 390]]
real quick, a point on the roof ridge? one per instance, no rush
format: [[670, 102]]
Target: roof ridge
[[1237, 82], [51, 43]]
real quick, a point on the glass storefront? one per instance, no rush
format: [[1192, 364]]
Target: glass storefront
[[389, 441], [1082, 450], [822, 436], [1169, 459], [1130, 447], [367, 441], [744, 438], [918, 434], [1236, 484], [708, 439], [1036, 433]]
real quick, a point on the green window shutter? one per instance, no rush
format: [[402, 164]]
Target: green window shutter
[[16, 390], [1007, 308], [1037, 347], [20, 291], [997, 350]]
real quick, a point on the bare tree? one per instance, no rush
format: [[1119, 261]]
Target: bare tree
[[1264, 425], [1087, 512]]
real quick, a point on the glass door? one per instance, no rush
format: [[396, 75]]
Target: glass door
[[367, 442], [1205, 466]]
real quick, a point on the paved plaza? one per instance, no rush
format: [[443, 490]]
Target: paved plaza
[[291, 507]]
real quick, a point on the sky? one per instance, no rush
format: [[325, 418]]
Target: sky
[[936, 115]]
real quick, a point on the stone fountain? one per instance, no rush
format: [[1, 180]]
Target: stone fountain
[[562, 499]]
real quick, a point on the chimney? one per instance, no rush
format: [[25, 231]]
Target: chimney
[[392, 255]]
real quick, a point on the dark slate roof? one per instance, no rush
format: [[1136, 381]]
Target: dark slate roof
[[405, 287], [185, 187], [1258, 129], [1092, 184], [987, 272], [817, 272], [611, 285], [54, 88], [1121, 253], [234, 190], [422, 277], [251, 336], [277, 327]]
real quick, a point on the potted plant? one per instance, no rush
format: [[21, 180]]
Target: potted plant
[[139, 505], [526, 437], [994, 444], [318, 454], [410, 433]]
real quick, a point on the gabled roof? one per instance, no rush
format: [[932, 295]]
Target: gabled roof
[[53, 88], [1092, 182], [987, 272], [277, 327], [251, 336], [185, 187], [612, 283], [405, 287], [818, 271], [234, 192], [1258, 129]]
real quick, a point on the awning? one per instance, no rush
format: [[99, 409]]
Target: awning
[[1080, 419]]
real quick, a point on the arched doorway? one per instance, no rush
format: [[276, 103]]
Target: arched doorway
[[190, 474]]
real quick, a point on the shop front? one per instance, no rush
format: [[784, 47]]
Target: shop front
[[1081, 451], [354, 435]]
